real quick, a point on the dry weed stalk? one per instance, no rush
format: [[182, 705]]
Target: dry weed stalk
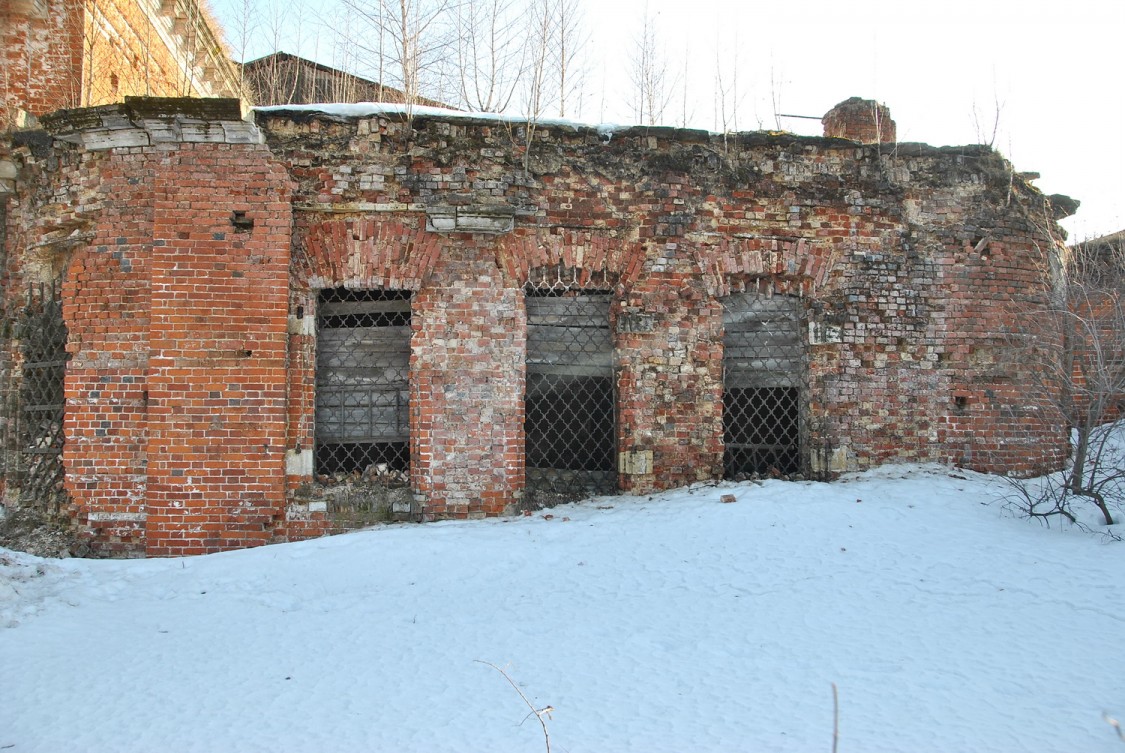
[[537, 713]]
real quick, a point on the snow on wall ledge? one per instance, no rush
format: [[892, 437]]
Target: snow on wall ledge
[[191, 267]]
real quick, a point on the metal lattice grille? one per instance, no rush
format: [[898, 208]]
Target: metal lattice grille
[[42, 335], [362, 372], [569, 424], [763, 374]]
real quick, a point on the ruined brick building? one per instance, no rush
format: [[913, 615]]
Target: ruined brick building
[[273, 328], [219, 333]]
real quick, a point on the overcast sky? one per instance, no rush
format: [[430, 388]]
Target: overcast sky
[[1052, 71]]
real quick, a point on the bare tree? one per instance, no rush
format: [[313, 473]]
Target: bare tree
[[649, 74], [1074, 350], [685, 76], [240, 34], [409, 41], [986, 121], [541, 20], [491, 53], [344, 86], [276, 80], [728, 98], [536, 95], [986, 132], [570, 38], [777, 82]]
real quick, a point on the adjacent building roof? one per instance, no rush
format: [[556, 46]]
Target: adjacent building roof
[[286, 79]]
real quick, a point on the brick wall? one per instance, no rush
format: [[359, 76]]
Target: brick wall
[[466, 393], [42, 48], [175, 285], [191, 395], [133, 49], [668, 341], [71, 53], [217, 350], [873, 242], [107, 294]]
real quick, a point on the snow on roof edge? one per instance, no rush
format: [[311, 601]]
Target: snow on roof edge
[[605, 130], [369, 109]]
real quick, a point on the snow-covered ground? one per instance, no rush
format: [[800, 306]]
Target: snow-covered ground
[[670, 623]]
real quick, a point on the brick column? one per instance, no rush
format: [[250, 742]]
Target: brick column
[[106, 308], [669, 349], [466, 386], [217, 418]]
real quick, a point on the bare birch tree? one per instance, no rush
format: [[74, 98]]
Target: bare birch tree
[[728, 93], [408, 41], [569, 42], [536, 95], [777, 85], [240, 35], [648, 74], [722, 95], [491, 53]]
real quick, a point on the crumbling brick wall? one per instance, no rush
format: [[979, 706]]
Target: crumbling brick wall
[[192, 412], [873, 240]]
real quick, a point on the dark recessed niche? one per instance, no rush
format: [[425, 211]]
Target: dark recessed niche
[[240, 221]]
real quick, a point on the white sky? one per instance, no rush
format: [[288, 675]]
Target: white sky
[[1052, 70]]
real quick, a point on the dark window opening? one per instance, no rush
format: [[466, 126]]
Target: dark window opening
[[362, 387], [42, 335], [342, 308], [377, 459], [760, 431], [566, 423], [569, 425], [764, 367]]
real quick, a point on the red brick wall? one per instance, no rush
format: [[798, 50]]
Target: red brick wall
[[1001, 414], [42, 55], [107, 308], [392, 254], [218, 336], [861, 120], [877, 267], [466, 392], [70, 53], [176, 391]]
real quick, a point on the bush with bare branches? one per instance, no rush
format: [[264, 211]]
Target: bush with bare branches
[[1074, 350]]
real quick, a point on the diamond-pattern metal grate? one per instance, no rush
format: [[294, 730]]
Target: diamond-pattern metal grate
[[569, 412], [42, 335], [362, 388], [760, 431], [763, 374]]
